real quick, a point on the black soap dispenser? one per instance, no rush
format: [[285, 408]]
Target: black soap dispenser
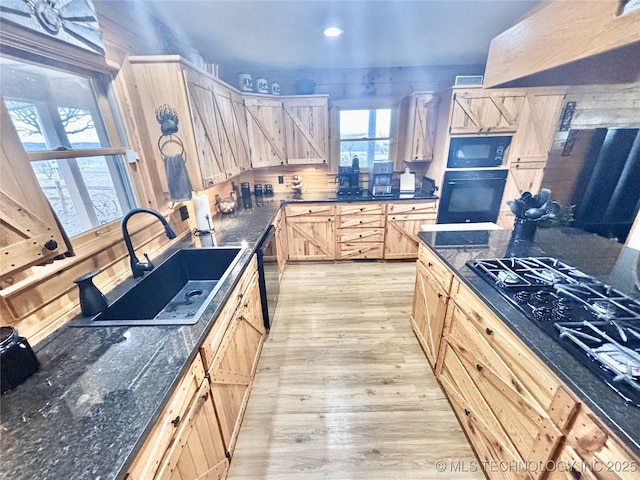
[[92, 301]]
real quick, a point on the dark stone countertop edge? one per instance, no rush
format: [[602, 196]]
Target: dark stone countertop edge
[[624, 420]]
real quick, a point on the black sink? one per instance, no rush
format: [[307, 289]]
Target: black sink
[[174, 293]]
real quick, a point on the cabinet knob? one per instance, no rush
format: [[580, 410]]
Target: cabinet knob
[[51, 244], [467, 412], [205, 396], [440, 295], [479, 367], [489, 331], [429, 264], [176, 421]]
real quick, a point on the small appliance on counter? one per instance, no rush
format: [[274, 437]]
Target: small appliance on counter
[[17, 360], [268, 190], [428, 186], [381, 178], [348, 179], [407, 182]]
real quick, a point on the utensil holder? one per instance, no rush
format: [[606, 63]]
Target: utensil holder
[[524, 229], [92, 301]]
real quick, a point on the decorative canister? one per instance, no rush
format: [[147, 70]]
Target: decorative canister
[[262, 86], [245, 82], [17, 360], [275, 88]]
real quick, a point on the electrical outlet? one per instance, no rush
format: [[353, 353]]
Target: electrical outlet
[[184, 213], [280, 179]]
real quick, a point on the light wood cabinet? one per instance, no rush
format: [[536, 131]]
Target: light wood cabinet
[[360, 233], [287, 130], [196, 432], [311, 231], [404, 221], [187, 424], [212, 126], [306, 121], [513, 408], [29, 234], [480, 111], [419, 127], [281, 241]]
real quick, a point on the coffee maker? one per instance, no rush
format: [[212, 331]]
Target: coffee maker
[[381, 178], [348, 179]]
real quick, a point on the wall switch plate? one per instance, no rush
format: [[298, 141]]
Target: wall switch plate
[[184, 213], [280, 179]]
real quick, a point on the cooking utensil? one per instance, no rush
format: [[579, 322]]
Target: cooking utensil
[[534, 213], [545, 196], [517, 207]]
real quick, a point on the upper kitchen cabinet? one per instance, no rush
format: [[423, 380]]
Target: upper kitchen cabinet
[[29, 233], [419, 127], [265, 123], [480, 111], [287, 130], [306, 125], [211, 128], [568, 43]]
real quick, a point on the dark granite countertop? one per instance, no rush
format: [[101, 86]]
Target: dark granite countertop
[[99, 391], [605, 259]]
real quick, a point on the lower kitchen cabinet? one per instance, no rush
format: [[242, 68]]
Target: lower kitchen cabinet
[[196, 432], [311, 231], [281, 241], [513, 408], [404, 221], [360, 233]]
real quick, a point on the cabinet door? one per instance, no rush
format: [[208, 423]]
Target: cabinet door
[[209, 135], [235, 363], [232, 122], [401, 237], [428, 312], [281, 241], [311, 231], [197, 451], [422, 127], [29, 233], [306, 129], [486, 111], [265, 124]]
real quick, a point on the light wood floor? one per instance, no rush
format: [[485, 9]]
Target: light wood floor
[[343, 389]]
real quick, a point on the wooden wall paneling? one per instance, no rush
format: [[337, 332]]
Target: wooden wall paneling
[[314, 177]]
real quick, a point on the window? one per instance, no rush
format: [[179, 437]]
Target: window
[[69, 140], [364, 134]]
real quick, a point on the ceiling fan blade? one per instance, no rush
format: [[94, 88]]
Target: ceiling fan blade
[[90, 36], [16, 6], [77, 10]]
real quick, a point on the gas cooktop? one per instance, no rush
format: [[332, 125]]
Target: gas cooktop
[[596, 323]]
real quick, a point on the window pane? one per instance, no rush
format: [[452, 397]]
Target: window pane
[[85, 192], [365, 123], [366, 150], [52, 109]]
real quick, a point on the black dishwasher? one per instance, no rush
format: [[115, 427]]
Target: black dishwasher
[[268, 275]]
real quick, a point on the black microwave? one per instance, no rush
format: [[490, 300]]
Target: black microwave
[[473, 152]]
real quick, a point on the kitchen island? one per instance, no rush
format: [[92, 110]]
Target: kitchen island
[[100, 390], [450, 344]]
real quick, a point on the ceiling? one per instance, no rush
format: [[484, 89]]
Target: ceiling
[[249, 35]]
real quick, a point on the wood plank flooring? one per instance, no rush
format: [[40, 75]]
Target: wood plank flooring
[[343, 389]]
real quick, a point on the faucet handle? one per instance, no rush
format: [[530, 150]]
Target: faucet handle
[[148, 265]]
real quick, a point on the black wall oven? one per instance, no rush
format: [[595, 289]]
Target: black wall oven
[[477, 152], [471, 196]]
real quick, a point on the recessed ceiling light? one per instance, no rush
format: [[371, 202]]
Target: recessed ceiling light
[[333, 32]]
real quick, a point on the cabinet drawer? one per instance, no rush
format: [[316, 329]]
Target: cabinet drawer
[[502, 344], [436, 267], [368, 208], [309, 210], [424, 218], [361, 234], [430, 207], [356, 250], [363, 220], [150, 457]]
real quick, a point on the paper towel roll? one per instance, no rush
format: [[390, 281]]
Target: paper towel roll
[[202, 211]]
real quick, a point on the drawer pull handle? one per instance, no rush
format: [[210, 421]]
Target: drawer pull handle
[[176, 421], [489, 331], [467, 412], [479, 367]]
